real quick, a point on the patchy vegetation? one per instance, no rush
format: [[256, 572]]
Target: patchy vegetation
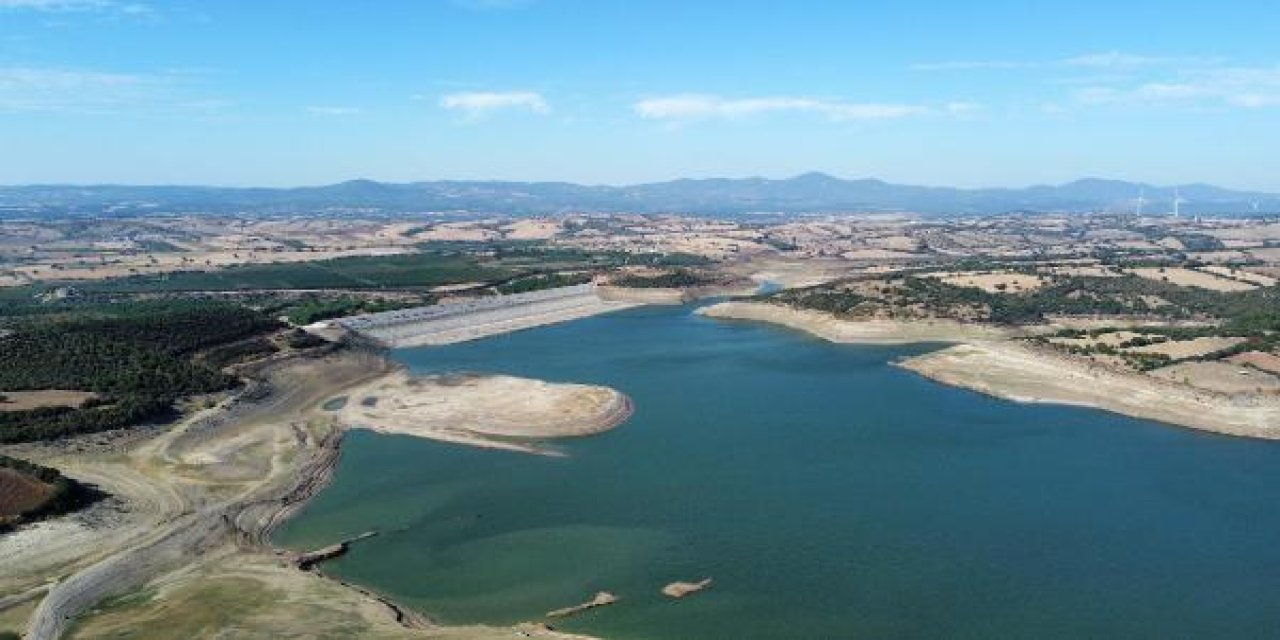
[[543, 281], [913, 296], [375, 272], [317, 309], [677, 279], [139, 360]]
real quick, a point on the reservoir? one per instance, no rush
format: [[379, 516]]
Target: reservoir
[[827, 493]]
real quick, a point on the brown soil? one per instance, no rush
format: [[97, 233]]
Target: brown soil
[[26, 400], [20, 493]]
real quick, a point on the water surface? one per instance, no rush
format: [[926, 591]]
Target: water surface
[[829, 494]]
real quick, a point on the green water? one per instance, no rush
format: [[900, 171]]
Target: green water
[[828, 494]]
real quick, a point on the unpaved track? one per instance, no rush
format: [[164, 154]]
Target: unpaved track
[[168, 479]]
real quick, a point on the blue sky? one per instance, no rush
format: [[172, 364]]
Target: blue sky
[[278, 92]]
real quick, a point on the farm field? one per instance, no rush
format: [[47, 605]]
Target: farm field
[[1221, 377], [992, 282], [1192, 278], [26, 400]]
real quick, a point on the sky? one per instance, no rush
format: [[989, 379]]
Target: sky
[[976, 93]]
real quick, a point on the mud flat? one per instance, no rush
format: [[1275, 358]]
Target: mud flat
[[493, 411], [1025, 373], [833, 329]]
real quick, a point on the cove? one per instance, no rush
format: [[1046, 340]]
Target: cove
[[828, 493]]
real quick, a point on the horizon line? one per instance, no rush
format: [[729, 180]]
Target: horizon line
[[619, 185]]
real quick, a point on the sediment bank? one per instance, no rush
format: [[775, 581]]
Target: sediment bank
[[1025, 373], [987, 360], [833, 329], [493, 411], [192, 510]]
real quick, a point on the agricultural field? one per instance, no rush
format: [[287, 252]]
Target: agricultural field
[[1112, 339], [1268, 362], [1193, 348], [1219, 376], [422, 270], [1241, 274], [1090, 271], [28, 400], [992, 282], [1192, 278]]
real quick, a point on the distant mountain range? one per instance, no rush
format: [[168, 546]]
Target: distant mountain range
[[808, 193]]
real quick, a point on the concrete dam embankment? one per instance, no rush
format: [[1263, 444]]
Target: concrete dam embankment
[[461, 321]]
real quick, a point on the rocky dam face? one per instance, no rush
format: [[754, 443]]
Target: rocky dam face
[[462, 321]]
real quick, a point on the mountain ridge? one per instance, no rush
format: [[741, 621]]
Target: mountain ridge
[[812, 192]]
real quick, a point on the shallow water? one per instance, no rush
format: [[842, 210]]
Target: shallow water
[[829, 495]]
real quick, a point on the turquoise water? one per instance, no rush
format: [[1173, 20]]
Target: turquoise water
[[828, 494]]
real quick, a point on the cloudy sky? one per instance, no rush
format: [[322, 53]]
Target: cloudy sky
[[979, 93]]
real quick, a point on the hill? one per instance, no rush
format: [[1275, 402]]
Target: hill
[[807, 193]]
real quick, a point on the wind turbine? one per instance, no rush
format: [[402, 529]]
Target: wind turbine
[[1177, 203], [1142, 199], [1255, 204]]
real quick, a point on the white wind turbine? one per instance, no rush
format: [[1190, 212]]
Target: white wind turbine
[[1177, 203], [1142, 199]]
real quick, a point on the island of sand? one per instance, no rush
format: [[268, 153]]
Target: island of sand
[[990, 360], [494, 411], [682, 589]]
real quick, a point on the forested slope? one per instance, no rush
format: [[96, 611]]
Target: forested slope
[[138, 356]]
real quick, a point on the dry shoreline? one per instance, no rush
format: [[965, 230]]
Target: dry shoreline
[[490, 411], [195, 505], [987, 361], [1024, 373], [832, 329]]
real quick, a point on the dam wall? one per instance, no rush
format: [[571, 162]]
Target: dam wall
[[482, 317]]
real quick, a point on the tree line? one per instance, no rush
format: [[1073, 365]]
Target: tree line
[[139, 360]]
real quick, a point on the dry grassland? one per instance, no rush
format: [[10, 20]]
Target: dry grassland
[[1191, 278]]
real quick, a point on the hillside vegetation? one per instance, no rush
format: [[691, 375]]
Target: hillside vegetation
[[1077, 295], [139, 358]]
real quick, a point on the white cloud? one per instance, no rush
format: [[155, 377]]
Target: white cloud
[[1245, 87], [25, 88], [1097, 60], [330, 110], [73, 6], [1120, 60], [697, 107], [1254, 101], [969, 65], [962, 108], [42, 89], [490, 5], [476, 104]]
